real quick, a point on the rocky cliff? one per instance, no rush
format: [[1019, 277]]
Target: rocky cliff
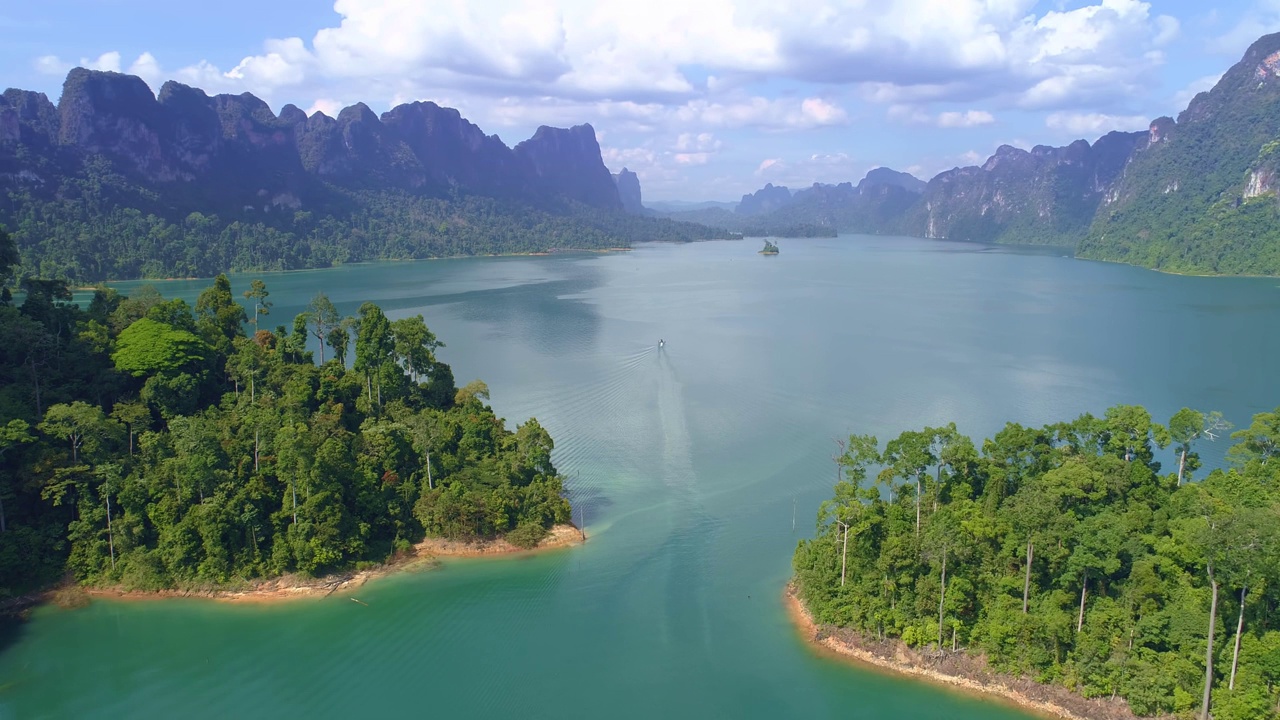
[[1203, 197], [629, 191], [765, 200], [118, 182], [1044, 196], [231, 152]]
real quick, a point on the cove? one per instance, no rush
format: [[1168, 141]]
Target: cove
[[689, 464]]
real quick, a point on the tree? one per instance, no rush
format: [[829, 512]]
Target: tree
[[257, 294], [323, 318], [219, 317], [14, 433], [375, 348], [1186, 427], [83, 426], [9, 257], [1095, 554], [148, 347], [1259, 442], [909, 456], [135, 415], [415, 346]]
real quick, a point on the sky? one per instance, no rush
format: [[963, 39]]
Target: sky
[[703, 99]]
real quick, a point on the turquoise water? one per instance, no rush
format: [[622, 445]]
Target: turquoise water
[[687, 463]]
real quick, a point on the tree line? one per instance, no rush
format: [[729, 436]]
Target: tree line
[[150, 444], [1065, 553], [100, 226]]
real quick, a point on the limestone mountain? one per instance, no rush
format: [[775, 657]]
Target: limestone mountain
[[186, 183], [1195, 194], [765, 200], [1045, 196], [889, 176], [629, 191], [1203, 196]]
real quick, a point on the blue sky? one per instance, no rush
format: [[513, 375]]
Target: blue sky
[[704, 99]]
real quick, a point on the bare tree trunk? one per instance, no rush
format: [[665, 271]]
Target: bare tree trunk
[[131, 440], [1208, 654], [1182, 463], [255, 449], [294, 486], [1235, 656], [844, 554], [1026, 583], [111, 539], [942, 596], [430, 484], [1084, 587], [918, 510], [35, 383]]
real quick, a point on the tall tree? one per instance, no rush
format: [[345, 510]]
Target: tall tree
[[323, 319], [375, 347], [12, 434], [257, 294], [1185, 428]]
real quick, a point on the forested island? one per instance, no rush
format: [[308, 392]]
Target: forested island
[[1064, 554], [147, 444]]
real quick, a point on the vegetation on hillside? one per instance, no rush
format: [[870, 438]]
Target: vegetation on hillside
[[150, 444], [1203, 199], [1066, 554], [99, 225]]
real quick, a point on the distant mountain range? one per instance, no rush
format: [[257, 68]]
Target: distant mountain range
[[1197, 194], [115, 182]]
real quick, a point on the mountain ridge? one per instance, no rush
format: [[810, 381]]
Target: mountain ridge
[[1195, 194], [221, 182]]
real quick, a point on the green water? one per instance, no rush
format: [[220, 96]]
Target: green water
[[686, 461]]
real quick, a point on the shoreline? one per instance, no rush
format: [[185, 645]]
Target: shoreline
[[425, 555], [958, 672]]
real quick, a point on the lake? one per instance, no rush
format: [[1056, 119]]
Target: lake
[[690, 463]]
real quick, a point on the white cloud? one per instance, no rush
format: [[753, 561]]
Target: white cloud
[[699, 142], [800, 172], [673, 52], [691, 158], [1183, 97], [968, 118], [764, 113], [947, 119], [1094, 124], [52, 65], [1262, 18], [147, 68], [328, 106], [109, 61]]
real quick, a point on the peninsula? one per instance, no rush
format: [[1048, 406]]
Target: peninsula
[[1063, 555], [154, 446]]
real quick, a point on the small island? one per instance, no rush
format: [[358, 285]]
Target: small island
[[151, 446], [769, 248]]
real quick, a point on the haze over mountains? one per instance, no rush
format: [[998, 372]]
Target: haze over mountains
[[1195, 194]]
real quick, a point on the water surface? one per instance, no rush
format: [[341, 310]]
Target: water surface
[[687, 463]]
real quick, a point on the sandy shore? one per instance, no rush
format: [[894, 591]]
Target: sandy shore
[[425, 555], [955, 670]]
